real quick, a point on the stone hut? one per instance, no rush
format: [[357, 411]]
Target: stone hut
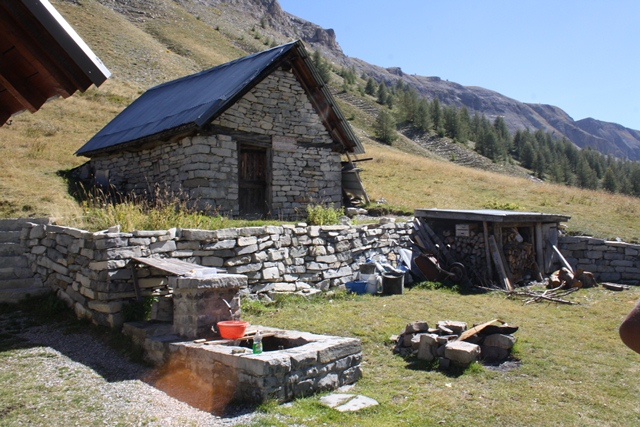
[[260, 136]]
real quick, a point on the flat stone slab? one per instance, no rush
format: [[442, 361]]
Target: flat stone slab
[[344, 402]]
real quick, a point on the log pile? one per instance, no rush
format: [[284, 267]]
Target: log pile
[[469, 250], [566, 279], [520, 256]]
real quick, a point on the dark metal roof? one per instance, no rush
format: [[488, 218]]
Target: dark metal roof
[[489, 215], [191, 102], [41, 57]]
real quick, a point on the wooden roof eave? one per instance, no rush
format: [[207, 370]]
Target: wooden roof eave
[[324, 102]]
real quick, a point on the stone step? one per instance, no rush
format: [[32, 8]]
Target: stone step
[[9, 273], [13, 261], [11, 249], [9, 236], [20, 283], [13, 296]]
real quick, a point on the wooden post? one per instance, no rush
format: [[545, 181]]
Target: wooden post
[[134, 276], [497, 259], [497, 231], [487, 250], [539, 245]]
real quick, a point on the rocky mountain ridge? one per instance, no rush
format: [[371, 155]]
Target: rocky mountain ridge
[[608, 138]]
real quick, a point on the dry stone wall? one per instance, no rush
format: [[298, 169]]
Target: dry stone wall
[[609, 261], [90, 271], [304, 169]]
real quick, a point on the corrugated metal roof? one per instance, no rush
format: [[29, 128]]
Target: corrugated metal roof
[[193, 101], [489, 215]]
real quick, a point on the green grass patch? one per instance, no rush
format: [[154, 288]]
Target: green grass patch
[[572, 364]]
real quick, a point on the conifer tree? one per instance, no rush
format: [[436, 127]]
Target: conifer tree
[[383, 93], [385, 127], [370, 88], [323, 67], [610, 181]]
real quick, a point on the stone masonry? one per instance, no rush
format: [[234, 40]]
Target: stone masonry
[[90, 271], [609, 261], [204, 167], [17, 280]]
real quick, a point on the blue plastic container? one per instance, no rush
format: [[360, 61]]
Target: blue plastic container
[[357, 286]]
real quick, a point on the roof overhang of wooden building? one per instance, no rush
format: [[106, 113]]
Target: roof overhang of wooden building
[[41, 57], [189, 104]]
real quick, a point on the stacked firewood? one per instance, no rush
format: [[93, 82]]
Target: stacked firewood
[[469, 250]]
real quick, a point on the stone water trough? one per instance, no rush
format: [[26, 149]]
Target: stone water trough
[[293, 364]]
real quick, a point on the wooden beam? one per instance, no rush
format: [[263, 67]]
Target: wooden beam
[[487, 251], [39, 47], [539, 245], [19, 88], [497, 260]]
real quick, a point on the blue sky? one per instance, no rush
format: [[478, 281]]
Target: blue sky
[[580, 55]]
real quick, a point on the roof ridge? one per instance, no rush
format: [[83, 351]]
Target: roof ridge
[[222, 66]]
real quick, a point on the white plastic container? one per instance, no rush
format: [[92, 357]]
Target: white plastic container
[[372, 284]]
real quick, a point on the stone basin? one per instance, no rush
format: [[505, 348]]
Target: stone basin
[[294, 364]]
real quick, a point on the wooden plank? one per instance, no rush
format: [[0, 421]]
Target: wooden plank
[[436, 239], [539, 244], [487, 251], [424, 238], [550, 233], [498, 233], [466, 334], [497, 260], [170, 265]]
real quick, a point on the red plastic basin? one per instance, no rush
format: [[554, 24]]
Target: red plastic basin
[[232, 329]]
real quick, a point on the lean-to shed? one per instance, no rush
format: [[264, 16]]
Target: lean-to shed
[[494, 245], [258, 136]]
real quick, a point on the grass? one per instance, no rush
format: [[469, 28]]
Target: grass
[[418, 182], [574, 369]]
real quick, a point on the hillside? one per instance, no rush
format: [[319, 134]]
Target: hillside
[[145, 43]]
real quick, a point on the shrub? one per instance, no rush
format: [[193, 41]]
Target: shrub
[[503, 206], [323, 215]]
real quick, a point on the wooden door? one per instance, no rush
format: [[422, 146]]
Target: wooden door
[[253, 178]]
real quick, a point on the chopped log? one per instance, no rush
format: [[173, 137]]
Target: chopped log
[[615, 286], [588, 280], [566, 277]]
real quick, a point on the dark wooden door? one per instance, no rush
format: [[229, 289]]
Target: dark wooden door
[[253, 173]]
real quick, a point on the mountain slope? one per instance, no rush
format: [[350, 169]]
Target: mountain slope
[[192, 35]]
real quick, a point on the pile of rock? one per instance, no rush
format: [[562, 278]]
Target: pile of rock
[[452, 343]]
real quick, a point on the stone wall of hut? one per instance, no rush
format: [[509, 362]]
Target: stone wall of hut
[[204, 168]]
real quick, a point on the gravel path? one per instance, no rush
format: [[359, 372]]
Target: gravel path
[[110, 387]]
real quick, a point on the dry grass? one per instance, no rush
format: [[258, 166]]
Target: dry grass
[[140, 53], [419, 182]]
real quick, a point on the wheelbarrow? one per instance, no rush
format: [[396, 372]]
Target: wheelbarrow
[[430, 267]]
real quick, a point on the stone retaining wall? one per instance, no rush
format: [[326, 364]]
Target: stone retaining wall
[[609, 261], [90, 272]]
